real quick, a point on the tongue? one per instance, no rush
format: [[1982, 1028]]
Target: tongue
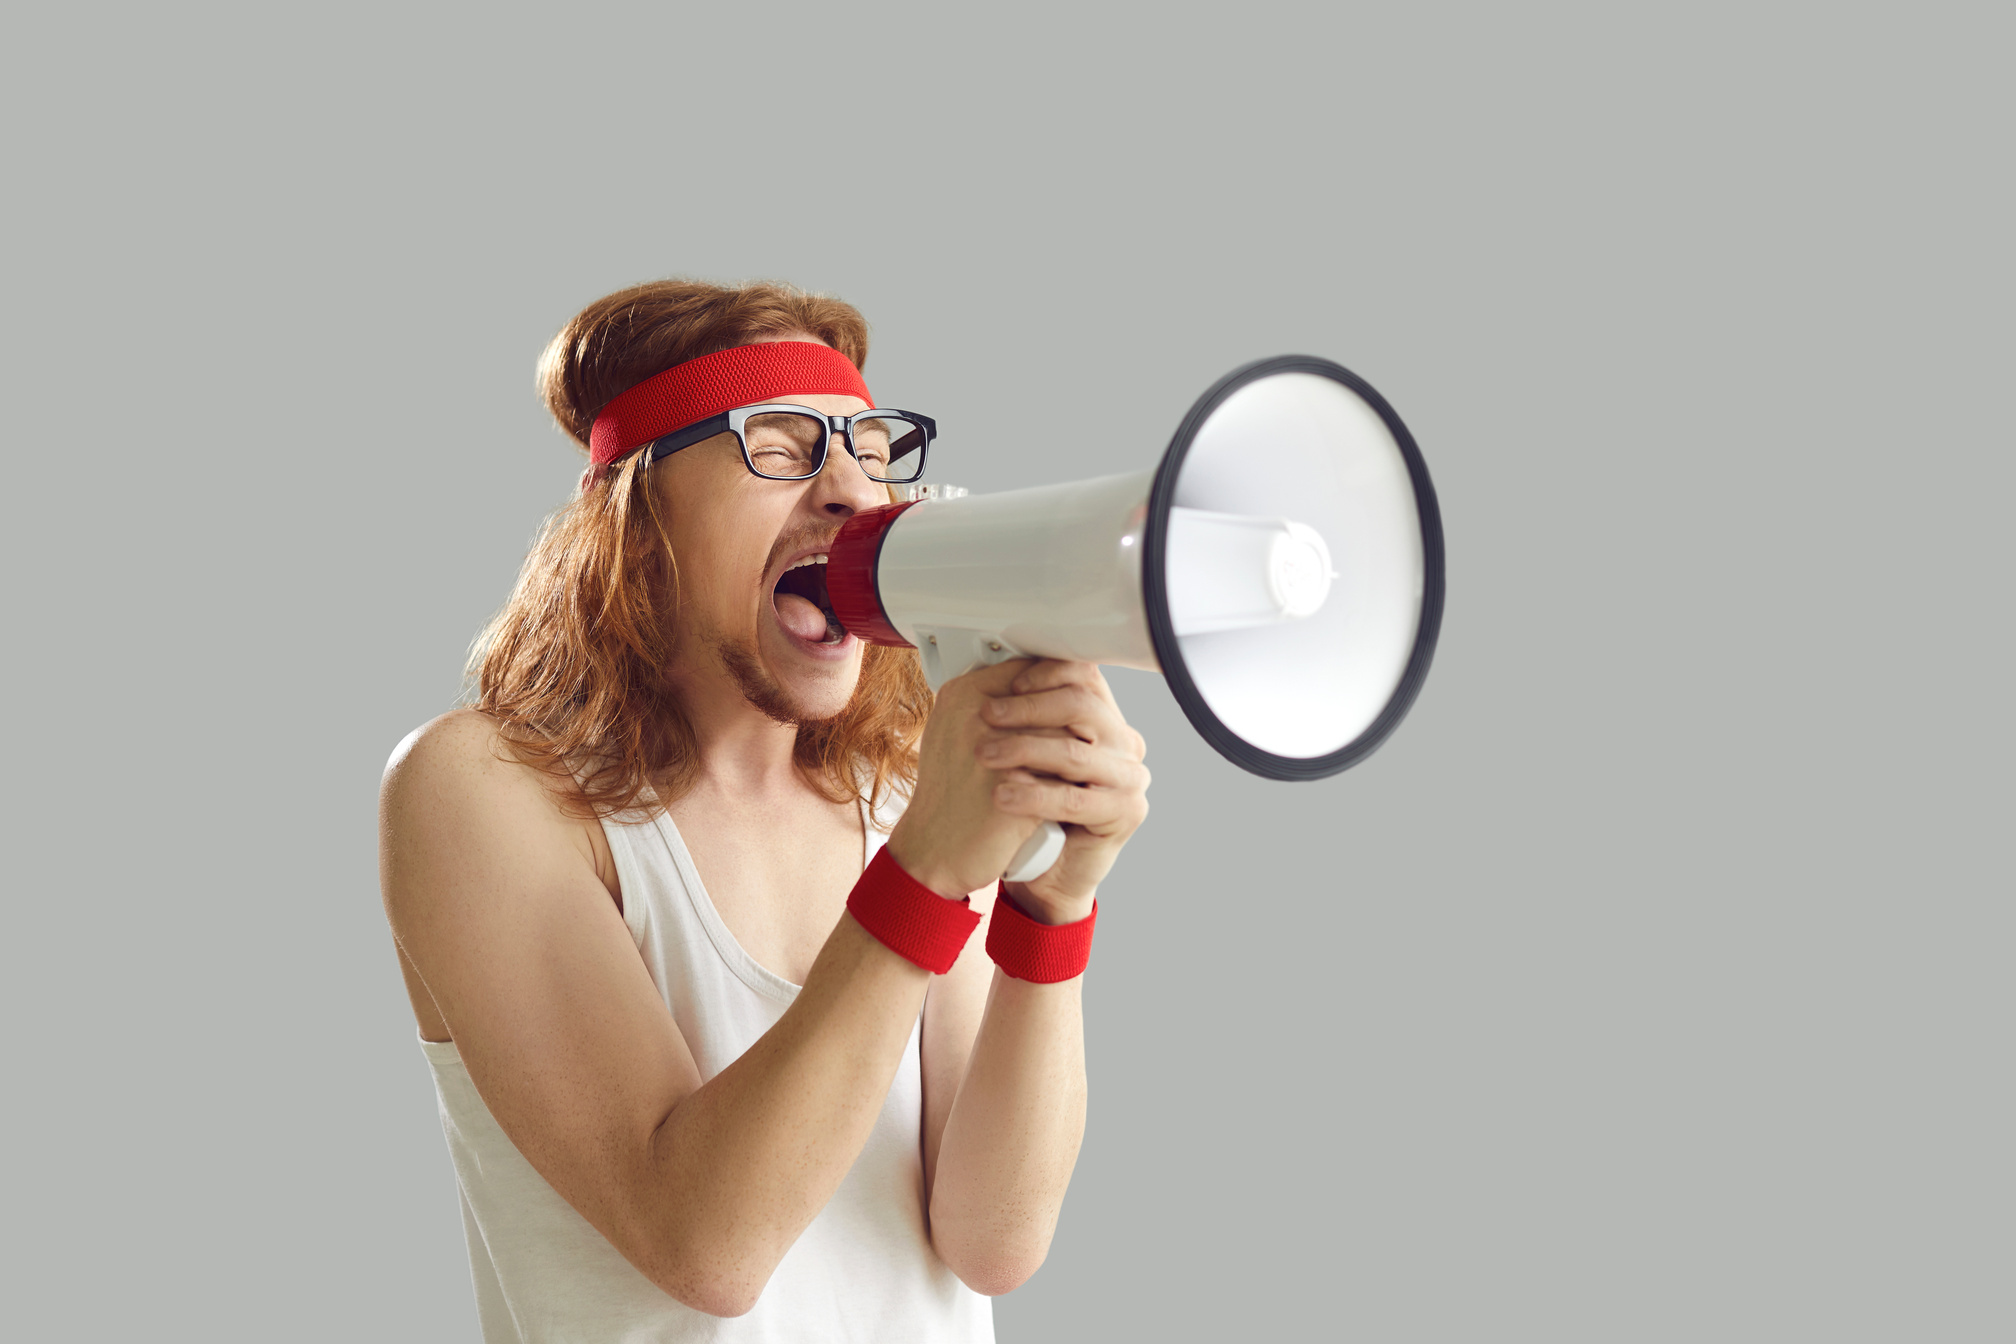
[[801, 616]]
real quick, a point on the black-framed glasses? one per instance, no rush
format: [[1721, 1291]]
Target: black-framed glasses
[[788, 443]]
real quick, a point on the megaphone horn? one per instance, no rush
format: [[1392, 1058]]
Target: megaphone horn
[[1281, 567]]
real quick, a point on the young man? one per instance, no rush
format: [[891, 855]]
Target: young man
[[681, 1079]]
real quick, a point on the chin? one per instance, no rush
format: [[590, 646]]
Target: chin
[[818, 701], [799, 682]]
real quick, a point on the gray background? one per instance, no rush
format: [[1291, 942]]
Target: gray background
[[1648, 985]]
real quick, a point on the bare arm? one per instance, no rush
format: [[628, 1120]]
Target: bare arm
[[494, 900], [1004, 1122]]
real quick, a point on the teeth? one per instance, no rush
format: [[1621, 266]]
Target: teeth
[[808, 560]]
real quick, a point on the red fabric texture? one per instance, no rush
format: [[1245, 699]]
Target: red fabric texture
[[850, 576], [688, 393], [909, 918], [1042, 954]]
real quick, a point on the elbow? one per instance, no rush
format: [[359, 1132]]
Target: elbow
[[704, 1280], [726, 1301], [717, 1295], [994, 1280], [990, 1267]]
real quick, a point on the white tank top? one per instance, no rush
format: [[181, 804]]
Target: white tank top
[[863, 1271]]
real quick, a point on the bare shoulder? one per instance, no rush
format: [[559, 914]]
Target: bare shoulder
[[462, 759], [453, 785], [484, 873], [462, 748]]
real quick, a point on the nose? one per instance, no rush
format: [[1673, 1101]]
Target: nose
[[843, 489]]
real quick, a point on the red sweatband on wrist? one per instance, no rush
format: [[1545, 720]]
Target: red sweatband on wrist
[[909, 918], [1042, 954], [688, 393]]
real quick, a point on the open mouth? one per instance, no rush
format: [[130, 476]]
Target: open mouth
[[803, 608]]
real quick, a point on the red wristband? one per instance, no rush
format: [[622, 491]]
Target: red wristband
[[1042, 954], [909, 918]]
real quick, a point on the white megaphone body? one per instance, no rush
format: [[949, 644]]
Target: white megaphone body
[[1281, 567]]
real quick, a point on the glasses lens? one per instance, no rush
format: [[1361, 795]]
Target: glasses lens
[[785, 444], [890, 448]]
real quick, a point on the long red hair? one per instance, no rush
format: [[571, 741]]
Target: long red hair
[[572, 667]]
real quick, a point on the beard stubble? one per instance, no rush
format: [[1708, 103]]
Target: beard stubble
[[762, 691]]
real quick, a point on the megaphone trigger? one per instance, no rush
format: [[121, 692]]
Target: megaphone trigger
[[953, 653]]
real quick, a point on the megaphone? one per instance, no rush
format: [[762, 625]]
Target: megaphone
[[1281, 567]]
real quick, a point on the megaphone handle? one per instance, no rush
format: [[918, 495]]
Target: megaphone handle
[[1038, 852], [947, 653]]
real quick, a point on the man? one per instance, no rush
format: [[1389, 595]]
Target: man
[[681, 1078]]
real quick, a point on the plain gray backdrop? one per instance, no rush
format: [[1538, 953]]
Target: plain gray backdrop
[[1650, 984]]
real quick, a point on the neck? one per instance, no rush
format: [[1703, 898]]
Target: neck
[[741, 748]]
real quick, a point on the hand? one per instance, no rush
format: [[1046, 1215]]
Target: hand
[[1010, 746], [951, 837], [1065, 754]]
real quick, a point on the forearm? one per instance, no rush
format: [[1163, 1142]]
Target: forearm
[[741, 1167], [1012, 1137]]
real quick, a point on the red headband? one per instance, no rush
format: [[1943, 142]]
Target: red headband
[[688, 393]]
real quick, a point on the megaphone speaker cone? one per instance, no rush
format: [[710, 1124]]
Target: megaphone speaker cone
[[1309, 444]]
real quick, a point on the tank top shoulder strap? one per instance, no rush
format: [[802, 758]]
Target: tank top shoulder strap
[[669, 913]]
